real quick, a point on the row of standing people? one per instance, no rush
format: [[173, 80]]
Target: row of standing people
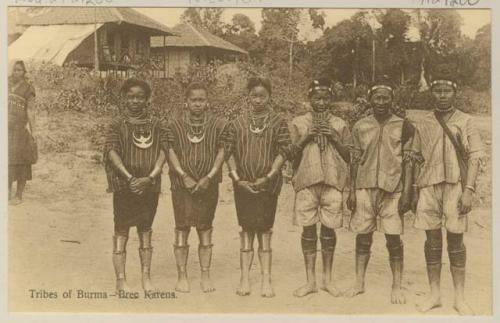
[[388, 164]]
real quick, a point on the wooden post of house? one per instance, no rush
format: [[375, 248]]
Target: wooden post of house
[[96, 43], [164, 56]]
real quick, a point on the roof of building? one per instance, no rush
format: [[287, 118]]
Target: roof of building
[[190, 36], [79, 15]]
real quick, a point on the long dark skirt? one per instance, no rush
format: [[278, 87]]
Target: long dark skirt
[[255, 212], [134, 210]]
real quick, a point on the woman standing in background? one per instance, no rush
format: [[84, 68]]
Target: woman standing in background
[[21, 124]]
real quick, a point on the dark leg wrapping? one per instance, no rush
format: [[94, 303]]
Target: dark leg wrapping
[[309, 239], [394, 246], [364, 243], [456, 249], [328, 238], [433, 247]]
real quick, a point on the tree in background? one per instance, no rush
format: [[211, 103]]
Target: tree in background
[[393, 48], [344, 51], [481, 78], [242, 33], [208, 18]]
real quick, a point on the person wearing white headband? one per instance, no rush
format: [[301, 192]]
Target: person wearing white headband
[[386, 148], [452, 149]]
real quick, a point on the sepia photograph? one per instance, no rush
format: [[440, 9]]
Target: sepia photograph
[[222, 160]]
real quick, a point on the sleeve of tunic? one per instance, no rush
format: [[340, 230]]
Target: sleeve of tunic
[[221, 128], [412, 149], [112, 139], [345, 136], [283, 140], [164, 139], [171, 134], [356, 150], [473, 144], [228, 138]]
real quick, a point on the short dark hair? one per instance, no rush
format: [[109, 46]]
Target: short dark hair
[[195, 86], [133, 82], [259, 81]]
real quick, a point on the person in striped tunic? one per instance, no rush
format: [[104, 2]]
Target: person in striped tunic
[[134, 154], [445, 187], [321, 171], [386, 149], [257, 144], [196, 154]]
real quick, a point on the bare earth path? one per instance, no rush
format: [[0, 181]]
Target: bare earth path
[[60, 239]]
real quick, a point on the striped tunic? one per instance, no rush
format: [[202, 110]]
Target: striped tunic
[[138, 161], [441, 163], [254, 154], [196, 159]]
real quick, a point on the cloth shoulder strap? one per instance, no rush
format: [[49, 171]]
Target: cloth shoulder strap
[[459, 150]]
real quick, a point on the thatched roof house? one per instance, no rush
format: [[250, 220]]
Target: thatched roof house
[[193, 45], [69, 34]]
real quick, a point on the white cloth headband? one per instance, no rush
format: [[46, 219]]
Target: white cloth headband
[[450, 83], [376, 87]]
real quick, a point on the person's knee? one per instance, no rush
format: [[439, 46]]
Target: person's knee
[[309, 238], [456, 249], [364, 243], [433, 248], [122, 231], [328, 238], [181, 236], [394, 246], [264, 238]]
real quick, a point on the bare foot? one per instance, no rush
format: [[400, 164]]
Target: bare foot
[[146, 284], [397, 296], [182, 285], [266, 289], [330, 288], [305, 290], [429, 304], [16, 201], [121, 285], [463, 308], [354, 290], [206, 285], [244, 288]]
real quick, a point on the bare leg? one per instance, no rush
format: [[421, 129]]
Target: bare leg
[[265, 259], [205, 256], [10, 190], [119, 260], [396, 257], [433, 256], [181, 252], [145, 254], [246, 258], [363, 246], [328, 242], [309, 240], [21, 184], [457, 255]]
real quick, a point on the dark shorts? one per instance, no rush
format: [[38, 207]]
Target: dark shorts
[[256, 212], [196, 210], [134, 210], [19, 173]]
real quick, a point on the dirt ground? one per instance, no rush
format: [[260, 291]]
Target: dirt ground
[[60, 240]]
